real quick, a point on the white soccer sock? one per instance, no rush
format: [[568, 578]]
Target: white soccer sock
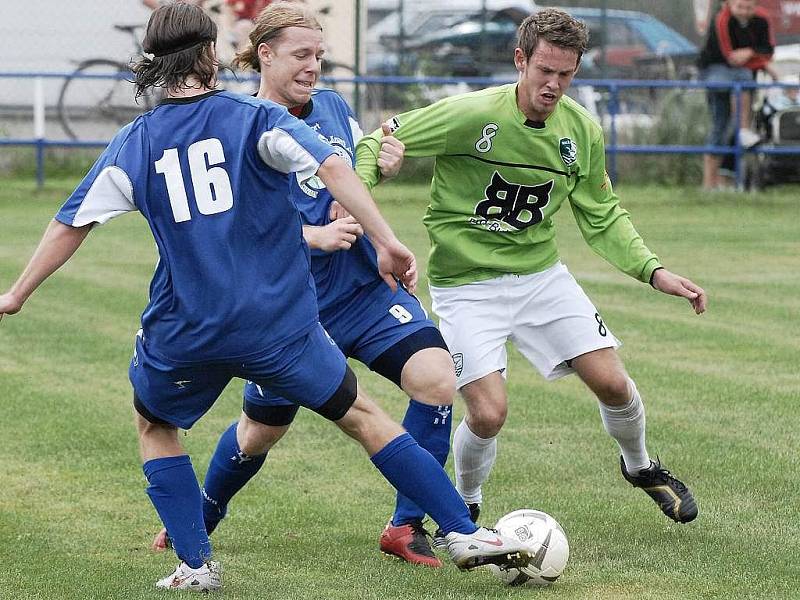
[[474, 458], [626, 424]]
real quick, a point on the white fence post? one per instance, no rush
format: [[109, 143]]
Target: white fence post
[[38, 127]]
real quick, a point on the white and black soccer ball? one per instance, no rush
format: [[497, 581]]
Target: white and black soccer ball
[[546, 540]]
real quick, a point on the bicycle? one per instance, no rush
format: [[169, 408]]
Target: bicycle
[[98, 98]]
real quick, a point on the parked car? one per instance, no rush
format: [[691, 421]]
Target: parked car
[[392, 42], [626, 44]]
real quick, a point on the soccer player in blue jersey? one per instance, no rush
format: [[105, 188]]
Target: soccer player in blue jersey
[[232, 294], [386, 330]]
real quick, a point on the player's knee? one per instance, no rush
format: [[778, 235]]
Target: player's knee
[[613, 389], [361, 417], [369, 425], [487, 421], [436, 389], [257, 438], [428, 376]]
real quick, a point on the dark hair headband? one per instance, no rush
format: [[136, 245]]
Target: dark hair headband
[[183, 47]]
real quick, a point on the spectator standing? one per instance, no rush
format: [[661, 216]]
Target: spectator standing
[[740, 42]]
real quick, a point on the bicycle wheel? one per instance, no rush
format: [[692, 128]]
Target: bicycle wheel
[[96, 100]]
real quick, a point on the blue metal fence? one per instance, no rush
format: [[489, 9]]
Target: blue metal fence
[[615, 89]]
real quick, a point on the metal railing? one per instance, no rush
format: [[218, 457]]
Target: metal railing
[[612, 109]]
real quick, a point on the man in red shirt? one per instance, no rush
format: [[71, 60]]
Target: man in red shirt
[[739, 43], [247, 9]]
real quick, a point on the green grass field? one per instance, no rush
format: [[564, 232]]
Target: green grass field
[[722, 391]]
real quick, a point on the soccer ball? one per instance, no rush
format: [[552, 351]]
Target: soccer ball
[[542, 534]]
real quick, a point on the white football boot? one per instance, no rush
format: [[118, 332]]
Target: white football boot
[[207, 578], [486, 547]]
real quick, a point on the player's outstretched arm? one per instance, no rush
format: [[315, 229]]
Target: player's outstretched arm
[[58, 243], [394, 259], [675, 285]]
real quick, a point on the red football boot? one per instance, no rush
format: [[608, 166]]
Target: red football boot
[[410, 543]]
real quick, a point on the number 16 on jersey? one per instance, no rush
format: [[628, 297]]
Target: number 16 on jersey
[[210, 184]]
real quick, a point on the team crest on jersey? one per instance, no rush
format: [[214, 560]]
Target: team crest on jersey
[[568, 150], [313, 185], [511, 207], [393, 124]]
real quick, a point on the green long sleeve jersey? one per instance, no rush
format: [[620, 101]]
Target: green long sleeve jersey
[[498, 180]]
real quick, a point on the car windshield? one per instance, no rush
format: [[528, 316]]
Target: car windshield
[[660, 39]]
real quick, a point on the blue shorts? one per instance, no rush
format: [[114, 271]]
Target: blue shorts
[[364, 326], [308, 371]]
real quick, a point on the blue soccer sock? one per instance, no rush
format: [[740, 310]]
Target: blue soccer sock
[[174, 492], [430, 427], [415, 473], [228, 472]]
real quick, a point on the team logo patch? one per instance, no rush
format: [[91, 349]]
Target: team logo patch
[[568, 150], [443, 413], [394, 124], [458, 363], [313, 185], [511, 207]]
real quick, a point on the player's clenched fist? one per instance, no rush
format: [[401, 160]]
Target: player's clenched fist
[[9, 305], [390, 157]]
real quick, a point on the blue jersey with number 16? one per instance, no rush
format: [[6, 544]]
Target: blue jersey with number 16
[[209, 174]]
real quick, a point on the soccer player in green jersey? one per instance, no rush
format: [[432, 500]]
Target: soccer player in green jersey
[[506, 160]]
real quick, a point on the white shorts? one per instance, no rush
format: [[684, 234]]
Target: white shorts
[[547, 316]]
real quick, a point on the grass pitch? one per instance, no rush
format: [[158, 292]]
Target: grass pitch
[[722, 392]]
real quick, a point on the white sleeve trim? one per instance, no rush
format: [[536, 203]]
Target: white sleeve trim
[[279, 150], [110, 195], [355, 128]]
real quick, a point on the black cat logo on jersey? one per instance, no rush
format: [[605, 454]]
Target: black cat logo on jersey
[[509, 206]]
